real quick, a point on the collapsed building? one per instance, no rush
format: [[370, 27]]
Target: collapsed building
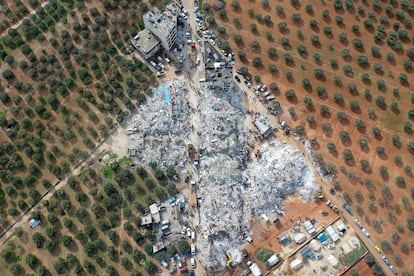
[[233, 186]]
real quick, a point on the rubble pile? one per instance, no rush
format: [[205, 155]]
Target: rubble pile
[[159, 130], [233, 185], [279, 170]]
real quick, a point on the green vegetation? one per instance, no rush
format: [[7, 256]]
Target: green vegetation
[[263, 254]]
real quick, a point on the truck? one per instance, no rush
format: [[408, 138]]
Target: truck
[[165, 227], [347, 208], [193, 249]]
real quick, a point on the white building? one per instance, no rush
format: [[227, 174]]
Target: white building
[[264, 126], [163, 25]]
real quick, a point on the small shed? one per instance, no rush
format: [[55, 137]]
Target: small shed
[[333, 261], [296, 264], [299, 238]]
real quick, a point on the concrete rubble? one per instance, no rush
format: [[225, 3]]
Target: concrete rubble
[[233, 186], [160, 128]]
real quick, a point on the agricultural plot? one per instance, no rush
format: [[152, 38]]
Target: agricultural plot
[[342, 72], [66, 82], [93, 225]]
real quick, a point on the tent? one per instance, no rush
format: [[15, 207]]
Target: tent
[[299, 238], [340, 226], [309, 227], [333, 261], [315, 245], [273, 260], [34, 222], [296, 264], [330, 231]]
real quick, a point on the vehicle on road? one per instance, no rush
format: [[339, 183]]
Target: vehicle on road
[[357, 222], [378, 249], [386, 260], [237, 78], [393, 270], [366, 233]]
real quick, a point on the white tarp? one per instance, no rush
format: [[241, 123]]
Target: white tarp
[[315, 245], [299, 238], [273, 260], [333, 261], [296, 264], [330, 231]]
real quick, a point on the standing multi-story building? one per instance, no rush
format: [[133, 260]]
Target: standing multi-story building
[[163, 25]]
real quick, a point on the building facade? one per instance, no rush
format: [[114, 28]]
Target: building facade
[[163, 25]]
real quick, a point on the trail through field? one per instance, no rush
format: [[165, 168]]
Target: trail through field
[[120, 148], [18, 23]]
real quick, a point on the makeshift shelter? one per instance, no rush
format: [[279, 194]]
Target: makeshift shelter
[[346, 248], [34, 222], [309, 227], [273, 260], [340, 226], [284, 238], [307, 252], [254, 268], [333, 261], [296, 264], [323, 238], [299, 238], [330, 231], [315, 245]]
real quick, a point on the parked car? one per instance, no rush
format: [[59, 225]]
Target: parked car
[[237, 78], [378, 249], [386, 260], [392, 268], [357, 222], [365, 232]]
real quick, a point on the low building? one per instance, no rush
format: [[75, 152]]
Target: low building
[[264, 126], [296, 264], [146, 220], [156, 218], [146, 43], [157, 247]]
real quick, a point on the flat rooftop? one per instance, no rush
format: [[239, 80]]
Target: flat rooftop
[[264, 126], [145, 41], [162, 21]]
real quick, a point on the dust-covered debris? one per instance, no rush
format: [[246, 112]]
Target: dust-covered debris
[[234, 183]]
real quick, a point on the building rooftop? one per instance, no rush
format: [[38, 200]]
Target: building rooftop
[[145, 41], [264, 126], [162, 21], [146, 220]]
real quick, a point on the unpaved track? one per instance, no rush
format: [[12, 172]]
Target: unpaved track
[[117, 143], [18, 23]]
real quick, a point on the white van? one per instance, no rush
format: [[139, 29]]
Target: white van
[[193, 249], [165, 227], [203, 80], [266, 94], [193, 265], [192, 235]]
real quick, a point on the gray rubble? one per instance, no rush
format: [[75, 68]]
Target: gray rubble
[[232, 185]]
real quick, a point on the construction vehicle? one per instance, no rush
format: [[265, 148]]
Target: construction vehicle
[[190, 149]]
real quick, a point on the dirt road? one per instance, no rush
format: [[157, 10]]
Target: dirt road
[[18, 23], [117, 143]]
